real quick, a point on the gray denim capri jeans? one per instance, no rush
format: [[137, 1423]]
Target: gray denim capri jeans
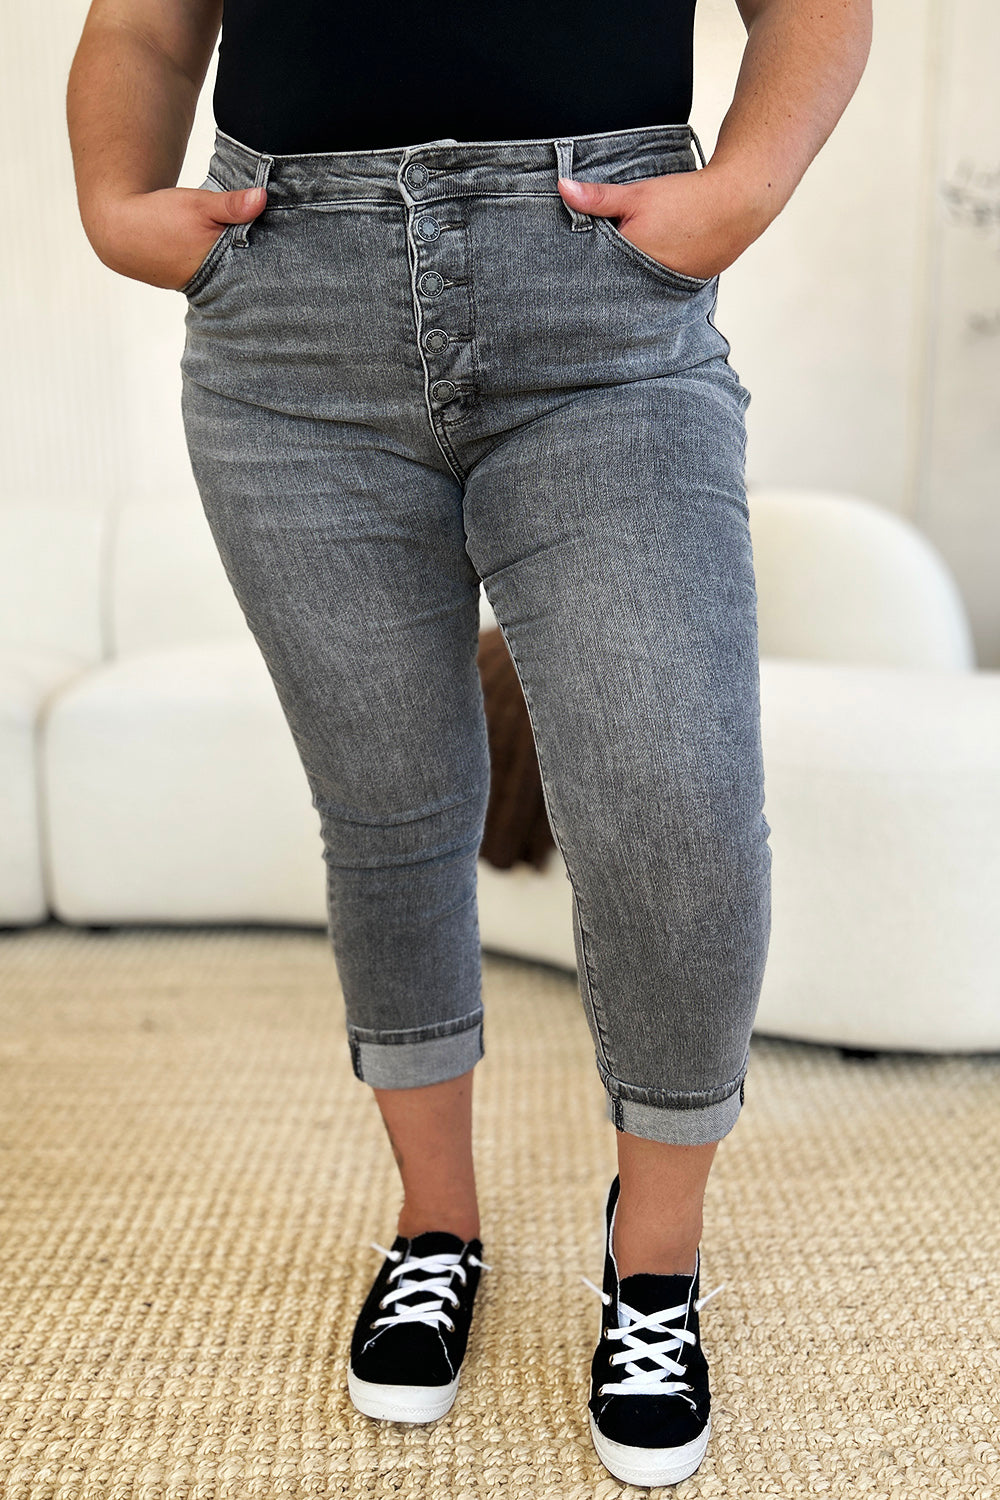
[[416, 370]]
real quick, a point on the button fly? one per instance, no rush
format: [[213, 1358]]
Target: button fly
[[416, 175], [439, 240]]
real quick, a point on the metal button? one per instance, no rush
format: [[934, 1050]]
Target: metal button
[[416, 174], [436, 339], [444, 390], [431, 283], [428, 228]]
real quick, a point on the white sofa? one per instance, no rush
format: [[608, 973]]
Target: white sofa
[[882, 785], [51, 592], [171, 792]]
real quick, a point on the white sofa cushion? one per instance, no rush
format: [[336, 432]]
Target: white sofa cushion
[[51, 561], [176, 794], [528, 913], [29, 677], [882, 789], [840, 579]]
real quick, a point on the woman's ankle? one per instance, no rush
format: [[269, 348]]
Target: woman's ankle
[[463, 1222]]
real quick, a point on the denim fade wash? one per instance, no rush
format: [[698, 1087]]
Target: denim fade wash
[[418, 369]]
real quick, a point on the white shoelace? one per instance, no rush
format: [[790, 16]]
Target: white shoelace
[[650, 1382], [437, 1283]]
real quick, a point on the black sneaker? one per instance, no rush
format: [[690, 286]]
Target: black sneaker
[[650, 1406], [410, 1337]]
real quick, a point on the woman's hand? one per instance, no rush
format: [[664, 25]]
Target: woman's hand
[[690, 221], [162, 237]]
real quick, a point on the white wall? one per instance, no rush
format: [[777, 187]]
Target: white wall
[[956, 493], [865, 321]]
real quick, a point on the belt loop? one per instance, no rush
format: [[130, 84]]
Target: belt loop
[[697, 146], [260, 179], [564, 167]]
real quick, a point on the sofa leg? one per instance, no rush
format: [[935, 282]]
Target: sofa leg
[[857, 1054]]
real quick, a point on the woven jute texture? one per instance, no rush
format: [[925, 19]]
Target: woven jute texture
[[191, 1175]]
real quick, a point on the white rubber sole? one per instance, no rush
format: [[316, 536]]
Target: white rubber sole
[[402, 1403], [650, 1465]]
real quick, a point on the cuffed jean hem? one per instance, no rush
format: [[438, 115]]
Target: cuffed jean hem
[[676, 1127], [410, 1059]]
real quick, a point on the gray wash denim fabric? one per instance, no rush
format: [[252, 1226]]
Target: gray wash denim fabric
[[418, 368]]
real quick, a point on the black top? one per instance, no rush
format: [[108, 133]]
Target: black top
[[351, 75]]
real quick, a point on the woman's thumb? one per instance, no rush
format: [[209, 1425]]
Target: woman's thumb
[[606, 199], [245, 204]]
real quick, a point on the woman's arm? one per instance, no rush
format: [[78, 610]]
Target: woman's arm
[[802, 62], [131, 97]]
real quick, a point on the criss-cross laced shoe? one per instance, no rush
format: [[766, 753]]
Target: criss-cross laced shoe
[[411, 1334], [650, 1405]]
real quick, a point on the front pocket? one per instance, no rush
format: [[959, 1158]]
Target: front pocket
[[678, 280], [208, 266]]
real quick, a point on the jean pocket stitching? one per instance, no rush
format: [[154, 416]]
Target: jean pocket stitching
[[206, 270], [679, 280]]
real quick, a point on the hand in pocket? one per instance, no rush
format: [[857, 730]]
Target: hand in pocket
[[689, 221], [162, 237]]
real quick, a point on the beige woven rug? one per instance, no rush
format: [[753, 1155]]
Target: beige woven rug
[[191, 1176]]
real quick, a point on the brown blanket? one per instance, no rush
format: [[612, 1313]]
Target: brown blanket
[[517, 825]]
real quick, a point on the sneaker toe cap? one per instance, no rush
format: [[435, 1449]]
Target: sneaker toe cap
[[649, 1421], [411, 1355]]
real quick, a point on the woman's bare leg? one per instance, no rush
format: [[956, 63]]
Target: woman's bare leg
[[430, 1130], [658, 1221]]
